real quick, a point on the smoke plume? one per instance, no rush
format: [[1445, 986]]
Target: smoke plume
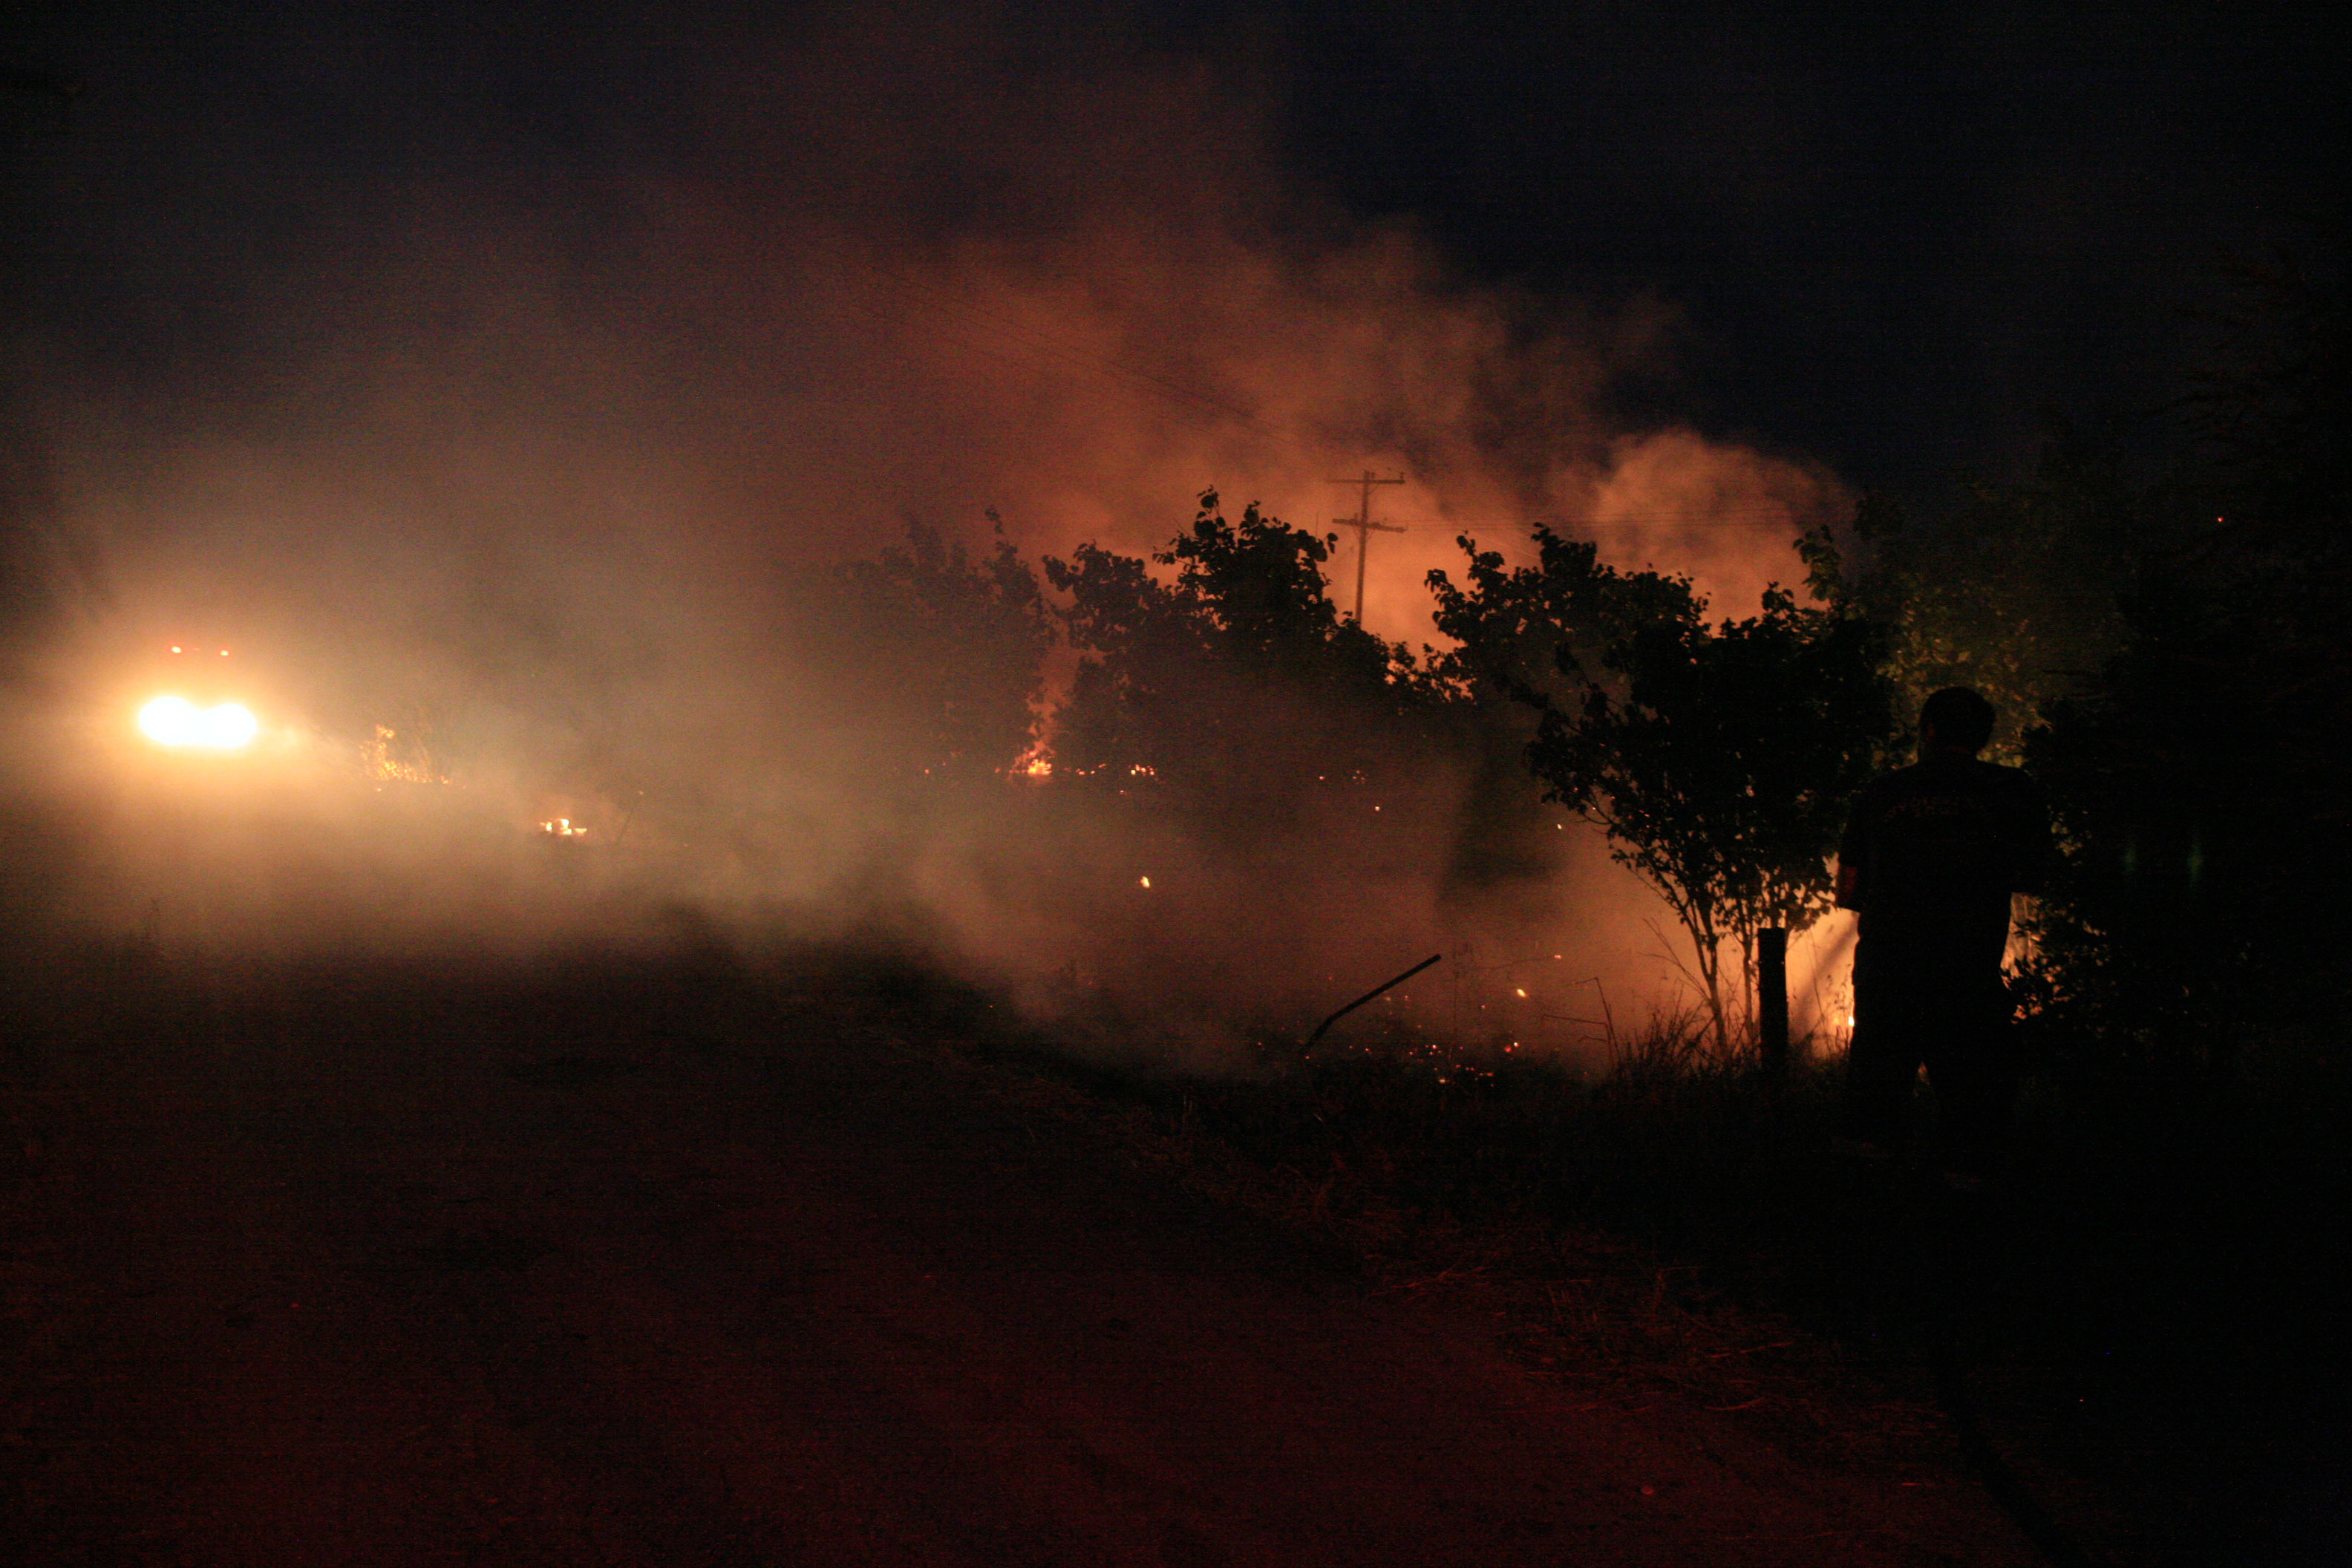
[[505, 402]]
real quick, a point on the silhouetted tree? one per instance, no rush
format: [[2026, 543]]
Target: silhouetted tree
[[1236, 674], [949, 647], [2014, 591], [1142, 649], [1723, 774], [1719, 759], [1536, 633], [2200, 784], [1522, 639]]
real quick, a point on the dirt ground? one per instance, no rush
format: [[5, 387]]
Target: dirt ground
[[657, 1266]]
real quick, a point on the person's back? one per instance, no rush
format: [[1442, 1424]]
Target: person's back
[[1936, 849], [1931, 856]]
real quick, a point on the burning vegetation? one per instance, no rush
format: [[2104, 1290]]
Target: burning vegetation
[[387, 758]]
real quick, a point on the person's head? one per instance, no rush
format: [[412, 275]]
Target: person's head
[[1957, 719]]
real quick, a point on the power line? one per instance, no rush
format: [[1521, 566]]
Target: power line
[[1719, 518], [1365, 527]]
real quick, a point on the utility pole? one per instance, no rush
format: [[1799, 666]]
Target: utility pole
[[1364, 526]]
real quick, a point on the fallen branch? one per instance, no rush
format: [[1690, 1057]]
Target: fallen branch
[[1368, 995]]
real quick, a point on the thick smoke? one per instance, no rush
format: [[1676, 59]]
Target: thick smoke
[[515, 434]]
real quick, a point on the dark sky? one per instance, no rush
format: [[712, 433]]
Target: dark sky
[[1885, 237], [1893, 229]]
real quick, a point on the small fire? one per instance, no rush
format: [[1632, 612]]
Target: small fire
[[1519, 991], [1145, 880], [1035, 762], [388, 757], [561, 828]]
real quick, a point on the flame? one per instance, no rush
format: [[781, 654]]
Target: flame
[[383, 759], [1035, 762]]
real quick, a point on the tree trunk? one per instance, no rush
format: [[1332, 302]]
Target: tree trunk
[[1710, 948]]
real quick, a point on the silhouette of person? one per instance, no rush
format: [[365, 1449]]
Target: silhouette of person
[[1931, 856]]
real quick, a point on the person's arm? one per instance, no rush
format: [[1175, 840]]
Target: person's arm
[[1853, 857], [2034, 847]]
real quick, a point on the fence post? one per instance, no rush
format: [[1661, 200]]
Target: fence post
[[1772, 998]]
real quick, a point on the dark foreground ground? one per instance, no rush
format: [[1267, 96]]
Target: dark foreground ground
[[667, 1264]]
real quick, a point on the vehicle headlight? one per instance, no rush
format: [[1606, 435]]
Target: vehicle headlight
[[177, 722]]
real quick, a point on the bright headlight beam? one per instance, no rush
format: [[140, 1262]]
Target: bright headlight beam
[[229, 726], [177, 722], [170, 722]]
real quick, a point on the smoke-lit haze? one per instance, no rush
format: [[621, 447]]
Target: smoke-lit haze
[[457, 397]]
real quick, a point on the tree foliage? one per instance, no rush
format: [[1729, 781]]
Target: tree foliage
[[2269, 409], [949, 646], [1534, 635], [2200, 782], [1719, 759], [1723, 774], [1236, 673], [2014, 591]]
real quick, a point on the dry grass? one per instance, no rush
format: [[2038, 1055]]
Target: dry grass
[[2136, 1316], [1468, 1179]]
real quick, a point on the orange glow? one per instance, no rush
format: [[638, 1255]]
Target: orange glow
[[1036, 761], [384, 758]]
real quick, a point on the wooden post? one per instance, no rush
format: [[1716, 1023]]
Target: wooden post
[[1365, 527], [1772, 998]]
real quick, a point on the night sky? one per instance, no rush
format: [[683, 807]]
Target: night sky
[[1894, 233]]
